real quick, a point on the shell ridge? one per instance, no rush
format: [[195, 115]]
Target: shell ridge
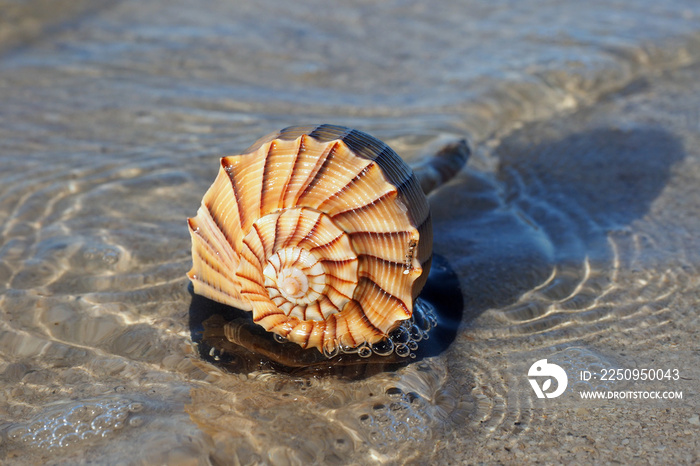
[[309, 225], [218, 272], [350, 183], [337, 261], [216, 227], [318, 170], [311, 232], [317, 308], [234, 187], [308, 334], [251, 288], [266, 170], [257, 249], [215, 267], [273, 320], [209, 268], [212, 227], [326, 299], [261, 315], [387, 196], [213, 221], [380, 216], [370, 283], [389, 246], [382, 261], [335, 268], [359, 325], [276, 245], [367, 321], [294, 309], [327, 323], [347, 333], [327, 312], [248, 280], [338, 291], [292, 236], [328, 244], [221, 296], [266, 246], [386, 300], [244, 171], [248, 254], [301, 147]]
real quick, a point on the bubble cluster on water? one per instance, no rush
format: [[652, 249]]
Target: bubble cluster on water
[[398, 417], [390, 417], [76, 423]]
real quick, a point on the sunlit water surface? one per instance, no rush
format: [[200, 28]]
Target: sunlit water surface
[[574, 239]]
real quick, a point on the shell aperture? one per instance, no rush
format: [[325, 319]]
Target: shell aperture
[[323, 233]]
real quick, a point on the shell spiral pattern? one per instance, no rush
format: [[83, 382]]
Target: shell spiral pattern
[[322, 232]]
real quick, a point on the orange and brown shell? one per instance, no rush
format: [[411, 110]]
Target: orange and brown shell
[[323, 232]]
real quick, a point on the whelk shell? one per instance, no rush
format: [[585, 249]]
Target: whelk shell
[[323, 232]]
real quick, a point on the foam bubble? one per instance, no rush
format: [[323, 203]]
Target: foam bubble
[[74, 423], [395, 418]]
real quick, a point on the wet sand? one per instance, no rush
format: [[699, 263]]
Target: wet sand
[[574, 229]]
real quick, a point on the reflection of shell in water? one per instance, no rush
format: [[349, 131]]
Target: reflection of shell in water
[[322, 232]]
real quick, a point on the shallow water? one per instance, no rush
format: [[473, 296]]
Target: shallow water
[[573, 230]]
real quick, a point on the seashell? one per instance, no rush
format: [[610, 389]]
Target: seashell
[[322, 232]]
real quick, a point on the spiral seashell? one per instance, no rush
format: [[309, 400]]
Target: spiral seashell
[[322, 232]]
